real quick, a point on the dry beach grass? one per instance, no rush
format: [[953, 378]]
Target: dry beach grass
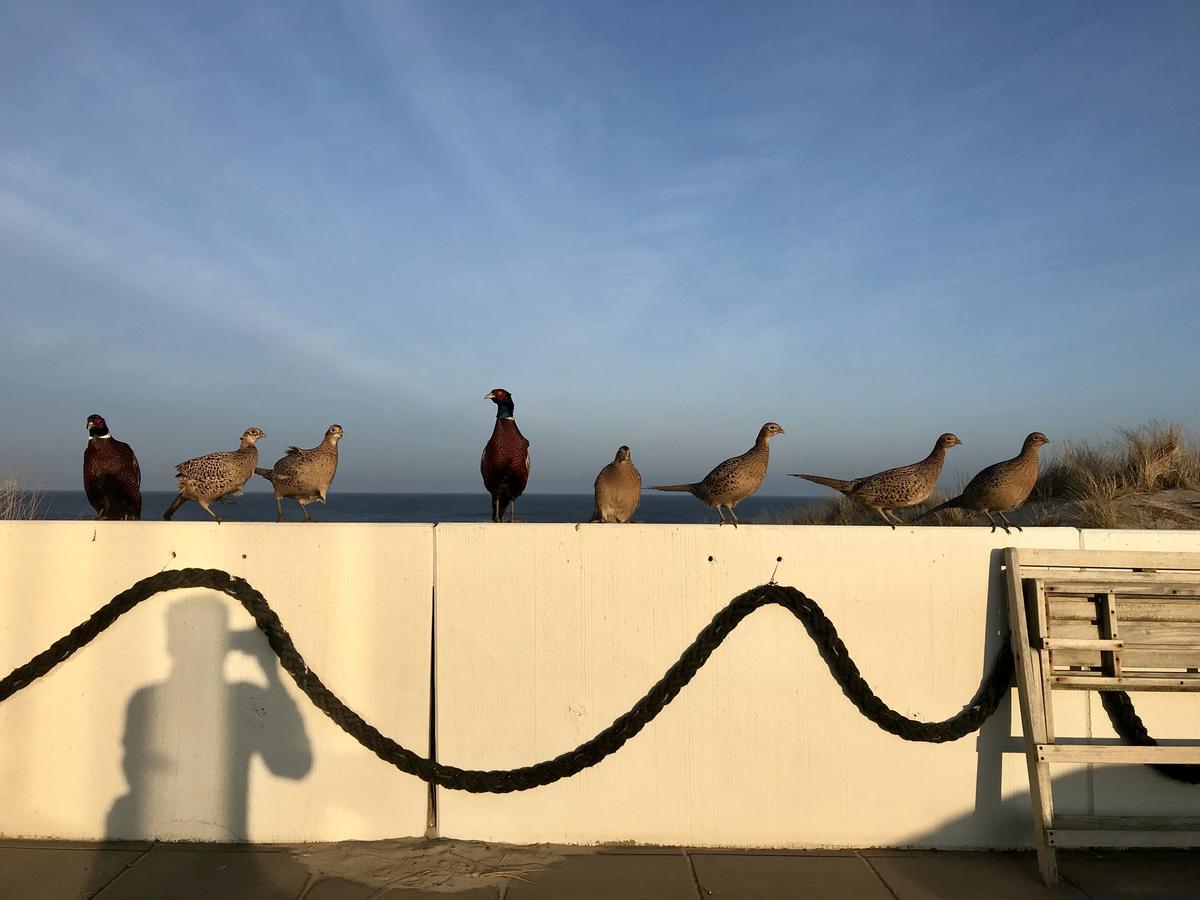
[[16, 502], [1145, 477]]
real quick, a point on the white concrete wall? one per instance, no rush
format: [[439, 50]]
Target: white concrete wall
[[267, 766], [548, 633], [545, 633]]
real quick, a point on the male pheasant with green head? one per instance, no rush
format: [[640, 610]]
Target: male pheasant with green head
[[505, 461], [112, 479]]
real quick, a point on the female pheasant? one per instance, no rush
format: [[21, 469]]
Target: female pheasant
[[112, 479], [505, 461], [305, 474], [1001, 487], [215, 476], [894, 488], [618, 489], [733, 480]]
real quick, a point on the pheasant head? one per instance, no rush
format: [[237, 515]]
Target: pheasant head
[[251, 435], [504, 402], [769, 431], [1035, 440], [96, 426]]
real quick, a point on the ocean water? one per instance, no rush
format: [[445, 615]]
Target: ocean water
[[259, 506]]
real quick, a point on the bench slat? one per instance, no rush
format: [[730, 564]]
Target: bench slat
[[1082, 681], [1118, 754]]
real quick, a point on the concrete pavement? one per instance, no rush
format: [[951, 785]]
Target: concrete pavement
[[464, 870]]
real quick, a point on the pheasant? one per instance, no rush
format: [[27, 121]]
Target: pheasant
[[618, 489], [305, 474], [1001, 487], [733, 480], [894, 488], [213, 477], [112, 479], [505, 461]]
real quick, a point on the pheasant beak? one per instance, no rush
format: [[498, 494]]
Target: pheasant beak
[[491, 395]]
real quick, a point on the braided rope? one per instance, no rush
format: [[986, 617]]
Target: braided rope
[[992, 688]]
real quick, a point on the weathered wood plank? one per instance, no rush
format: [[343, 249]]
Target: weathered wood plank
[[1079, 609], [1129, 559], [1083, 588], [1157, 634], [1127, 823], [1079, 643], [1114, 578], [1065, 837], [1116, 754], [1034, 701], [1139, 661]]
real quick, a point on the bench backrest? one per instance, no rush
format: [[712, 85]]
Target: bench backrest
[[1115, 619]]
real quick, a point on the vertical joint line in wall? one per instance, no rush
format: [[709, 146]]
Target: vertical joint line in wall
[[432, 830], [1091, 768]]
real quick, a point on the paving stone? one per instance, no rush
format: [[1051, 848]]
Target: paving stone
[[748, 877], [1134, 876], [344, 889], [187, 873], [952, 875], [45, 872], [637, 876], [487, 893], [339, 889]]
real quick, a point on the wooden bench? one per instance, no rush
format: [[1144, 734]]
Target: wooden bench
[[1100, 621]]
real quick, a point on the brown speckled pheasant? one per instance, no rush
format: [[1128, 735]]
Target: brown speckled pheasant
[[213, 477], [305, 474], [1000, 488], [505, 461], [112, 479], [733, 480], [894, 488], [618, 489]]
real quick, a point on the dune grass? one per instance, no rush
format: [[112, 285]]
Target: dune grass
[[1114, 484], [16, 502], [1158, 456], [1139, 479]]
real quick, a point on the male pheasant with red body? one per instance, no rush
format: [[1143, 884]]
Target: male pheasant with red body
[[112, 479], [505, 461], [1001, 487], [733, 480]]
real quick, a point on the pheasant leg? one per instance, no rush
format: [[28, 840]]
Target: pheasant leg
[[995, 524], [208, 510], [1004, 518]]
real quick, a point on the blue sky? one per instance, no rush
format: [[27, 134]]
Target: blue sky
[[658, 224]]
